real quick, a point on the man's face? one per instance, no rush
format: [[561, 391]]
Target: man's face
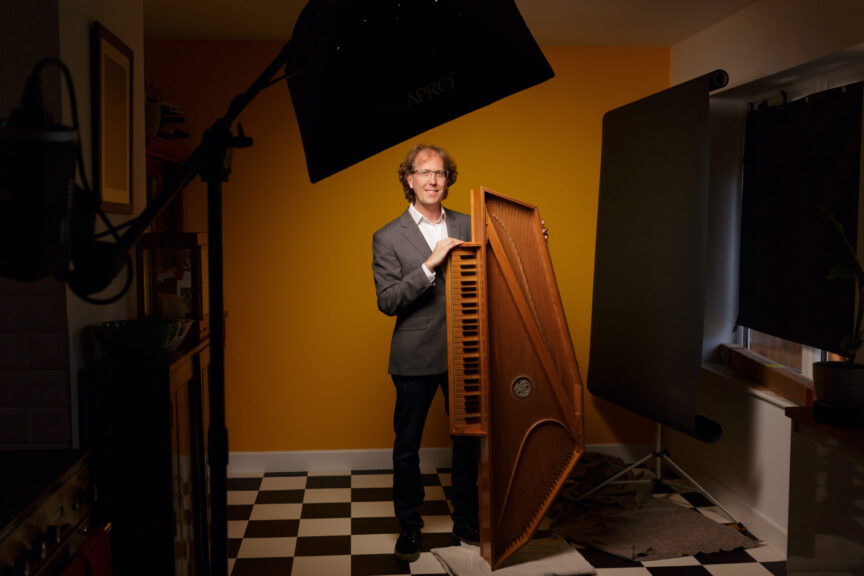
[[428, 190]]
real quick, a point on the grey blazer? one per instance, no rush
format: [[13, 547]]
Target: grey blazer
[[419, 343]]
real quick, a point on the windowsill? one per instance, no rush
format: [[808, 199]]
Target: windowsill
[[767, 379], [730, 377]]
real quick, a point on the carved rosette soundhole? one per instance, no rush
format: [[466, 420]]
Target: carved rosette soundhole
[[522, 387]]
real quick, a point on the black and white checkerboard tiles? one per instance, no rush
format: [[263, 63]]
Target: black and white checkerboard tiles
[[342, 524]]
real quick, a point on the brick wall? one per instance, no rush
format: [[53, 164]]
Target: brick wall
[[34, 342], [35, 409]]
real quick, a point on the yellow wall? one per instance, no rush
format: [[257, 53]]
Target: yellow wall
[[306, 356]]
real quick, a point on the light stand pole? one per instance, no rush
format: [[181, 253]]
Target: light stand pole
[[211, 160], [219, 142]]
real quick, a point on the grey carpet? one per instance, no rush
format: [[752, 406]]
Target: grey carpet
[[624, 520]]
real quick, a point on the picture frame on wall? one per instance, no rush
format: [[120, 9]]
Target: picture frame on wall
[[112, 65]]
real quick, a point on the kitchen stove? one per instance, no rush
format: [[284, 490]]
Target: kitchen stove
[[45, 505]]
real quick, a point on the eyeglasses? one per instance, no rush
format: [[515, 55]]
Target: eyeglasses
[[429, 173]]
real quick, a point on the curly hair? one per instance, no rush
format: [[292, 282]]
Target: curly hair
[[407, 167]]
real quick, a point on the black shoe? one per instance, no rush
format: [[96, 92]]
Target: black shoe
[[408, 545], [467, 532]]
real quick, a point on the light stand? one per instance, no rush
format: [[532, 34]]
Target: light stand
[[212, 161], [659, 455], [214, 166]]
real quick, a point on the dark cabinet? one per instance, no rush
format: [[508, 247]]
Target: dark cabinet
[[145, 421], [826, 475], [189, 477]]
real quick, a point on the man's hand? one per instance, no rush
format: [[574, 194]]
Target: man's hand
[[442, 248]]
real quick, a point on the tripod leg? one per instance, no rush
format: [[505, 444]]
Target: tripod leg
[[699, 487], [615, 477]]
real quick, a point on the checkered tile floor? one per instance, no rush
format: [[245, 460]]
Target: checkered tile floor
[[299, 524]]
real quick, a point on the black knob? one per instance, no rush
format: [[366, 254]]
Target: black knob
[[23, 563], [31, 557], [80, 497], [52, 535], [63, 531], [39, 551]]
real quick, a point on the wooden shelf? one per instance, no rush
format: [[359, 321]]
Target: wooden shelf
[[163, 157], [166, 150]]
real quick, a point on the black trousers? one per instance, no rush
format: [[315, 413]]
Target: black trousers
[[414, 395]]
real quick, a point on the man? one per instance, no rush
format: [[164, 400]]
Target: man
[[407, 255]]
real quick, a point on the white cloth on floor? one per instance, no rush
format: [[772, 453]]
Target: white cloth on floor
[[550, 556]]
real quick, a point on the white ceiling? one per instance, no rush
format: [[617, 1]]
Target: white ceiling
[[552, 22]]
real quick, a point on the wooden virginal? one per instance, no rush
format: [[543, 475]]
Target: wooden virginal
[[514, 379]]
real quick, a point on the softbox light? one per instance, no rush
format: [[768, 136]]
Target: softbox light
[[365, 76]]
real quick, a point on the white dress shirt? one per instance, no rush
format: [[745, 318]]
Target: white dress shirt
[[432, 232]]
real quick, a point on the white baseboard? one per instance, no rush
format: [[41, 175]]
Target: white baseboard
[[327, 461], [343, 461]]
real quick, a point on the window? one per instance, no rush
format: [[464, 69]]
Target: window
[[799, 357], [800, 158]]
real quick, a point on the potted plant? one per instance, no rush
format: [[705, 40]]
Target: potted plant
[[841, 383]]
